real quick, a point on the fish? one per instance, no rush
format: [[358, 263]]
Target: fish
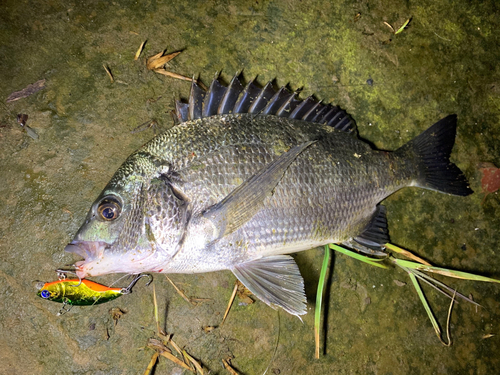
[[248, 176]]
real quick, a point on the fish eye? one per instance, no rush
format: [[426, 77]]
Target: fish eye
[[109, 208], [45, 293]]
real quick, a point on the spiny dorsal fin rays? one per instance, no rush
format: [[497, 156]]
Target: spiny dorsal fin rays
[[276, 102], [182, 111], [220, 99], [246, 98], [261, 101], [231, 96], [196, 99], [213, 98]]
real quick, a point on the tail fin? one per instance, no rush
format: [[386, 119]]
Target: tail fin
[[432, 151]]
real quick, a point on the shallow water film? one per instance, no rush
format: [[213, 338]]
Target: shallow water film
[[84, 120]]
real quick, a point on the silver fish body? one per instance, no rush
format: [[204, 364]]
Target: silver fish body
[[238, 191]]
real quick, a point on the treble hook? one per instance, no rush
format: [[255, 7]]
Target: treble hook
[[128, 289], [64, 308], [62, 275]]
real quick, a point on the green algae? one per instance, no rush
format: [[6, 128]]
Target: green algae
[[444, 62]]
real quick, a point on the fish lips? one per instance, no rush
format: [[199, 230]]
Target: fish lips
[[89, 250]]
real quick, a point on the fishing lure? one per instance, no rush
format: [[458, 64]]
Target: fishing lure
[[82, 292]]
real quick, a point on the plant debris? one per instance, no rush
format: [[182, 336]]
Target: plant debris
[[109, 73], [27, 91], [139, 51], [404, 26], [21, 120], [228, 367], [243, 294], [157, 63], [192, 300], [159, 345], [116, 314]]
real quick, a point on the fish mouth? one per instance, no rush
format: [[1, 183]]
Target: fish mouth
[[90, 251]]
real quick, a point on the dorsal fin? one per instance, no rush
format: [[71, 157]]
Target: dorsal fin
[[220, 99]]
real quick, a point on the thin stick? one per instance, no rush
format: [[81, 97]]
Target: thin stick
[[156, 310], [139, 51], [196, 364], [176, 360], [177, 76], [228, 367], [235, 289], [181, 293], [109, 73], [151, 363]]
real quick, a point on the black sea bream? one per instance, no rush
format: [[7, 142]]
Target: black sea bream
[[248, 176]]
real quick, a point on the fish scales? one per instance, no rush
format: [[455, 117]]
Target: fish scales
[[325, 195], [239, 191]]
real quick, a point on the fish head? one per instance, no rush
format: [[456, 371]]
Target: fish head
[[112, 238], [135, 225]]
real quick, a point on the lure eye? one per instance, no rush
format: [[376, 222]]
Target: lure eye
[[109, 208], [45, 293]]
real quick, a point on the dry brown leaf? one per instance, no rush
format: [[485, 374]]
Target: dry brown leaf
[[159, 60], [27, 91]]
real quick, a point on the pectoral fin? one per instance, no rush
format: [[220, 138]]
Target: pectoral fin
[[275, 280], [247, 199]]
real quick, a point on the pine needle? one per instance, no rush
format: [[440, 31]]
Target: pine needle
[[109, 73], [180, 292], [139, 51]]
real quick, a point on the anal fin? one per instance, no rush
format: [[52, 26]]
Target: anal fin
[[374, 236], [275, 280]]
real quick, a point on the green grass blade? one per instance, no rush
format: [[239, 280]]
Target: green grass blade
[[444, 271], [425, 303], [441, 287], [403, 27], [319, 298], [371, 261]]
